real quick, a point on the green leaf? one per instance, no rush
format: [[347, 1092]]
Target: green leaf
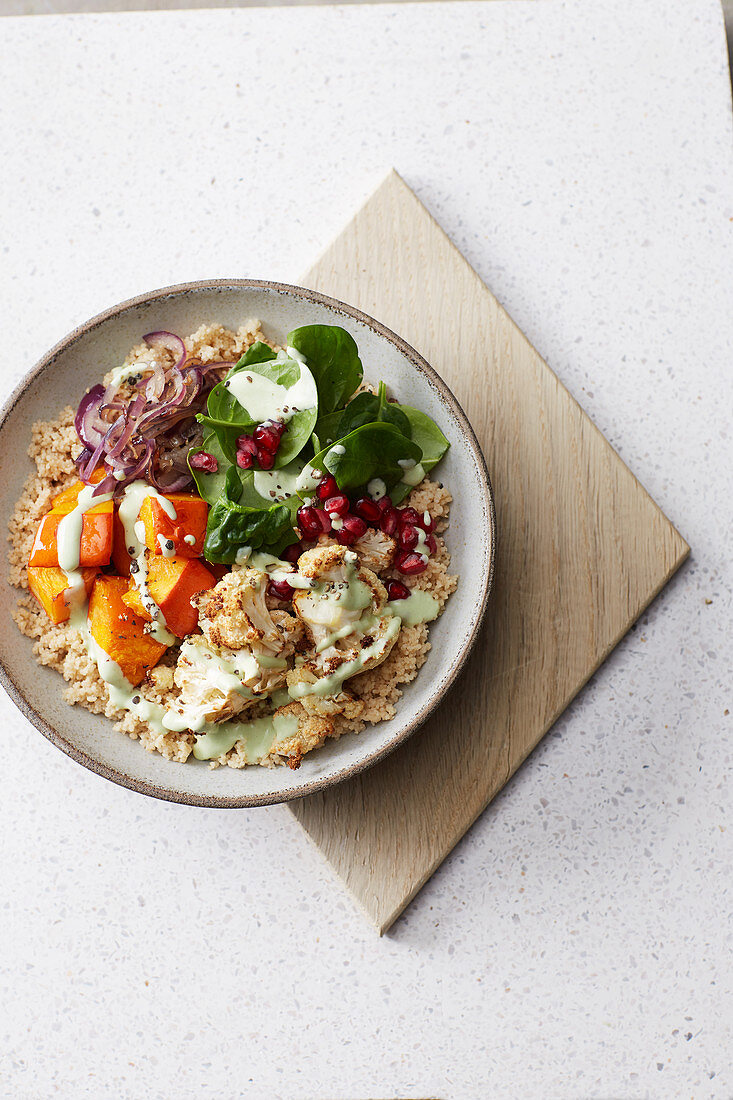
[[229, 419], [373, 450], [210, 486], [233, 525], [428, 436], [333, 359]]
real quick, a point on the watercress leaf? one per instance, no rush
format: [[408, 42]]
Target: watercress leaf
[[234, 525], [372, 450], [333, 358], [210, 486]]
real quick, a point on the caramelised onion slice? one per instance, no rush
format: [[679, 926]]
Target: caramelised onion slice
[[146, 432]]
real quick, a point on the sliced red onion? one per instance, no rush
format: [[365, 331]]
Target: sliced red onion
[[86, 419], [170, 341], [149, 433]]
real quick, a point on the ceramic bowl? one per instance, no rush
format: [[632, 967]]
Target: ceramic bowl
[[80, 360]]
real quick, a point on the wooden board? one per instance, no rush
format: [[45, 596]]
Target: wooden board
[[582, 550]]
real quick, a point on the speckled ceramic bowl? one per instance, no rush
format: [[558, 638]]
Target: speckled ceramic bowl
[[78, 361]]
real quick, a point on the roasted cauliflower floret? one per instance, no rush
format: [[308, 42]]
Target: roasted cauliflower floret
[[375, 550], [295, 741], [234, 615], [342, 595], [212, 687], [343, 702]]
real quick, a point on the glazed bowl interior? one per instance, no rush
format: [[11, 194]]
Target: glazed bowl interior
[[79, 361]]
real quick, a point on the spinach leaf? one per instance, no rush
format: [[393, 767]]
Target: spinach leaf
[[428, 436], [373, 450], [210, 486], [233, 525], [333, 359], [368, 408], [230, 419]]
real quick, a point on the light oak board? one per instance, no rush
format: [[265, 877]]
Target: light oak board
[[582, 550]]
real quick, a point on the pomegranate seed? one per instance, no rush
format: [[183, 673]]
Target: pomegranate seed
[[292, 553], [338, 504], [324, 521], [352, 530], [431, 543], [247, 445], [368, 509], [308, 521], [409, 564], [244, 461], [407, 538], [266, 437], [266, 459], [388, 522], [280, 589], [204, 461], [327, 487], [408, 516], [396, 590], [384, 503], [428, 524]]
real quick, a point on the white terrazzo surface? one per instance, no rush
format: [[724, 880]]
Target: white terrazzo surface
[[578, 942]]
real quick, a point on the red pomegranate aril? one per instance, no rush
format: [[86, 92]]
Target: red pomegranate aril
[[409, 517], [407, 538], [388, 522], [245, 461], [281, 590], [265, 458], [204, 461], [327, 487], [267, 437], [428, 524], [384, 503], [353, 528], [431, 543], [247, 445], [324, 521], [308, 521], [368, 510], [338, 504], [410, 564], [292, 553], [396, 590]]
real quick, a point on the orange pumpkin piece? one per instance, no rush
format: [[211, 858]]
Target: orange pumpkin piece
[[67, 498], [190, 522], [50, 586], [96, 529], [119, 631], [95, 547], [120, 557], [172, 583]]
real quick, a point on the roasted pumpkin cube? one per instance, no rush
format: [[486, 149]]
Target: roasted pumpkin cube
[[50, 586], [172, 583], [120, 556], [119, 631], [185, 533], [68, 498], [95, 546]]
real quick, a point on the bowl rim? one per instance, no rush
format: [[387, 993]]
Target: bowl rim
[[151, 789]]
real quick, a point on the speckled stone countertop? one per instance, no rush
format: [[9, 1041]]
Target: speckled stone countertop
[[578, 941]]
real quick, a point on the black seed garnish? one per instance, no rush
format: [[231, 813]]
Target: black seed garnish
[[134, 567], [169, 544], [136, 698]]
